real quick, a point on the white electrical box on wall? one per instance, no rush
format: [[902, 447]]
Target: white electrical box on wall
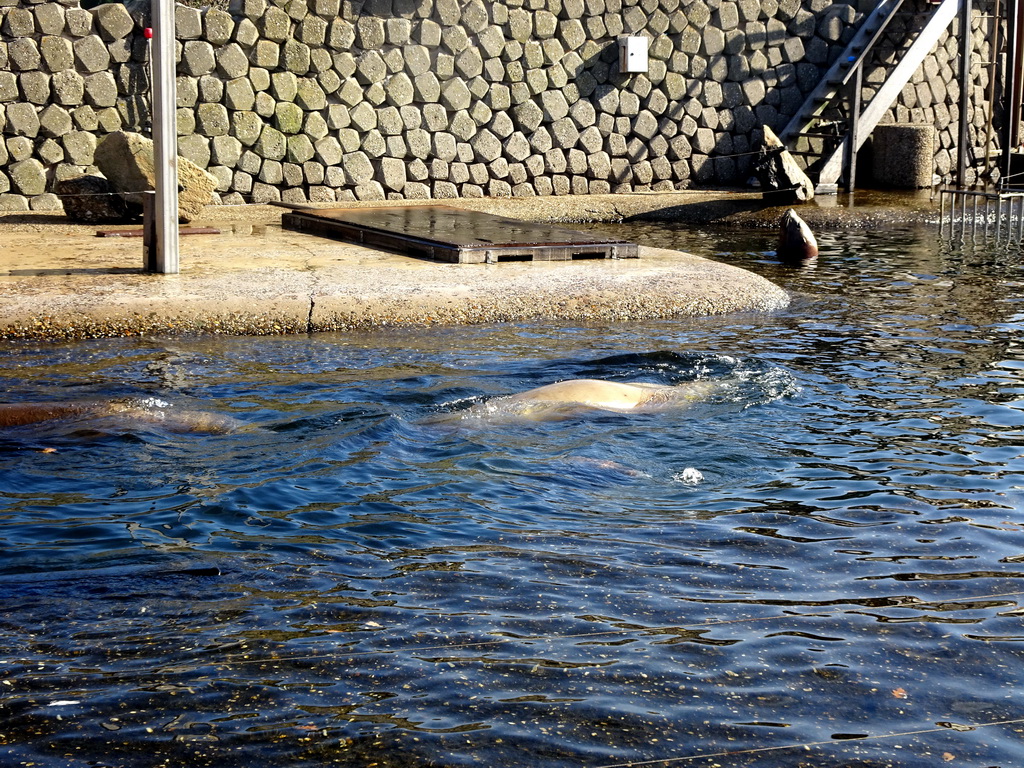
[[632, 54]]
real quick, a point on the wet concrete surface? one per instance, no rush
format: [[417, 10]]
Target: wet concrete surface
[[60, 281]]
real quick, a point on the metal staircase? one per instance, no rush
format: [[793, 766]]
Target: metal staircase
[[833, 123]]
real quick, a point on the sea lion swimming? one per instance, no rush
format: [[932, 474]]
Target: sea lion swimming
[[796, 241], [572, 397], [127, 412]]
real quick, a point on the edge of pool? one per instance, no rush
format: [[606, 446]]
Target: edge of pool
[[60, 281]]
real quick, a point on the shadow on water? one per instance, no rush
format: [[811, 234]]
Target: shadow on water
[[830, 556]]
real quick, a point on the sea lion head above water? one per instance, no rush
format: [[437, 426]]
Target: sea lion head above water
[[796, 241]]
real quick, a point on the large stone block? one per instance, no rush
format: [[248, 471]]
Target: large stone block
[[265, 193], [54, 121], [34, 87], [370, 68], [246, 33], [212, 120], [312, 31], [56, 52], [18, 22], [455, 95], [23, 54], [218, 26], [185, 121], [904, 155], [288, 117], [249, 163], [78, 22], [296, 57], [300, 149], [564, 133], [93, 200], [197, 58], [426, 88], [27, 177], [328, 151], [126, 159], [22, 120], [363, 117], [231, 61], [211, 88], [79, 147], [194, 149], [113, 21], [266, 54], [101, 90], [309, 95], [341, 35], [315, 126], [188, 23], [275, 25], [246, 127], [554, 105], [239, 95], [225, 150], [358, 168], [314, 173], [272, 144]]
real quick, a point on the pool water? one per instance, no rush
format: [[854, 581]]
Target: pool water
[[820, 565]]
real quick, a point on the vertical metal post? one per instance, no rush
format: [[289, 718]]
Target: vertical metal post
[[966, 43], [165, 138], [1012, 83], [942, 211], [149, 231], [993, 57], [853, 138]]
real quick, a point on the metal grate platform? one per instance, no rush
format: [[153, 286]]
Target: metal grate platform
[[444, 233]]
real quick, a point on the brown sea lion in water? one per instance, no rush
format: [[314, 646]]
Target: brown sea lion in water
[[796, 241], [139, 411], [568, 398]]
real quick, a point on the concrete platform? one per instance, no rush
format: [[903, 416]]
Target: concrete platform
[[61, 281]]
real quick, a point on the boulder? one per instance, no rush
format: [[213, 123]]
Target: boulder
[[93, 200], [778, 171], [126, 159]]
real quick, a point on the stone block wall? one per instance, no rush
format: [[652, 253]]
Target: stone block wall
[[335, 100]]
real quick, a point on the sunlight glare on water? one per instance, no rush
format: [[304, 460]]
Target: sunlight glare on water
[[817, 564]]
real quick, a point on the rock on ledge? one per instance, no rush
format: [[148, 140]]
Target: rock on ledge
[[126, 159]]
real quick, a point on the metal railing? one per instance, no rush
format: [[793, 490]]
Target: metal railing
[[994, 215]]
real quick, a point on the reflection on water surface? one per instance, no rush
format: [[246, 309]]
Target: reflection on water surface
[[356, 581]]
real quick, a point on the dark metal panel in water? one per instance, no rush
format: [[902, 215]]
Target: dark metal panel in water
[[444, 233]]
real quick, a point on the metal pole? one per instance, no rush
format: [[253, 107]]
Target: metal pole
[[942, 211], [853, 138], [993, 59], [165, 138], [1011, 84], [966, 42]]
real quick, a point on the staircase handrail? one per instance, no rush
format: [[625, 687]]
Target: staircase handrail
[[943, 14], [827, 82]]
